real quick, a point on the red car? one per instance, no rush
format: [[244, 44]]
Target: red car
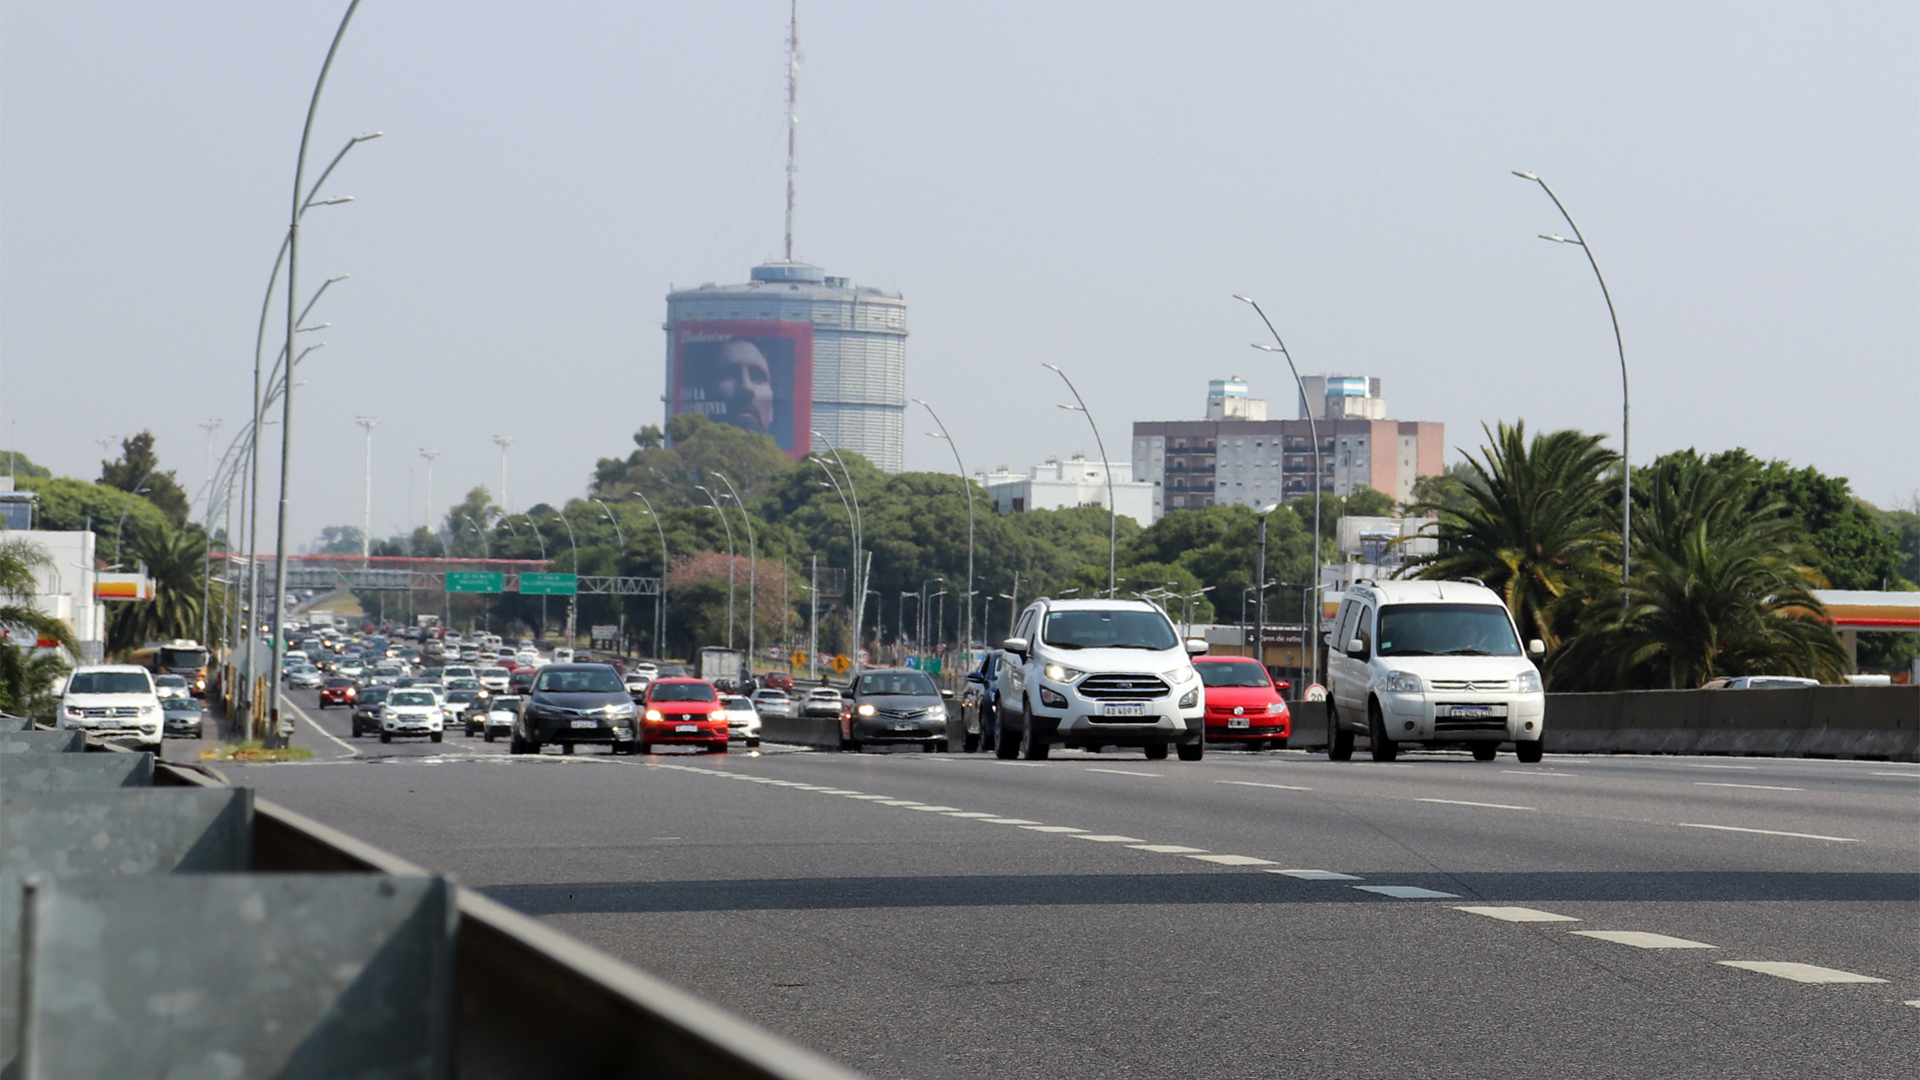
[[683, 712], [339, 691], [1244, 707]]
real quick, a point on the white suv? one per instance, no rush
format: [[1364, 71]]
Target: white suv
[[1094, 673], [1433, 662], [412, 711], [113, 701]]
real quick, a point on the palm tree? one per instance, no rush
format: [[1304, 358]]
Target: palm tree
[[27, 678], [176, 559], [1721, 589], [1531, 522]]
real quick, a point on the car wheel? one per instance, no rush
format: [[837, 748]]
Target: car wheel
[[720, 749], [970, 742], [1277, 744], [566, 748], [1339, 739], [1032, 746], [1192, 751], [1156, 751], [753, 744], [1383, 748], [643, 748], [386, 736], [1528, 752], [488, 735], [1004, 747], [1485, 751], [434, 737], [323, 704]]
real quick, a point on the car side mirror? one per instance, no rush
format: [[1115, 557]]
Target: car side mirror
[[976, 677], [1356, 646], [1015, 645], [1536, 647], [1283, 685], [945, 693], [1196, 646]]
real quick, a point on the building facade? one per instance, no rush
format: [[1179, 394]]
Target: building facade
[[1059, 485], [813, 360]]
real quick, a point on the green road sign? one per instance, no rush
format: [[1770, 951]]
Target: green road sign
[[549, 584], [480, 581], [930, 665]]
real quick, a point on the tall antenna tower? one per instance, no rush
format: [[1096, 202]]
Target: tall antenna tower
[[793, 115]]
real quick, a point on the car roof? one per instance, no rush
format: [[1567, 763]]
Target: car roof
[[1422, 591], [670, 681], [1097, 605], [580, 667], [111, 667], [1225, 660]]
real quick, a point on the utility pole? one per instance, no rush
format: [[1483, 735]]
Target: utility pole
[[793, 114], [504, 441], [429, 455], [813, 624], [367, 423]]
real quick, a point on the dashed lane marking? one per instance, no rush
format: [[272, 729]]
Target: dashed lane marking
[[1488, 805], [969, 814], [1742, 768], [1317, 875], [1408, 892], [1749, 787], [1008, 821], [1537, 772], [1052, 828], [1640, 940], [1767, 832], [1806, 973], [1168, 849], [1251, 783], [1124, 772], [1517, 914], [903, 802], [934, 809], [1110, 839], [1903, 776], [1233, 860], [875, 798]]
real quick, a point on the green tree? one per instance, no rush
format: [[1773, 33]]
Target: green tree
[[28, 676], [15, 464], [137, 470], [1534, 527], [1446, 492], [68, 505], [467, 523], [176, 560], [338, 540]]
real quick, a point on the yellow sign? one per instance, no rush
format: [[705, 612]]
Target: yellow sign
[[798, 659], [840, 664]]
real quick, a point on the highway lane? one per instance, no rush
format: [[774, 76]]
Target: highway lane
[[910, 940]]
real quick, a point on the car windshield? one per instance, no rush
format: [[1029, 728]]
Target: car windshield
[[579, 682], [180, 704], [336, 684], [770, 695], [736, 703], [1241, 674], [179, 658], [461, 697], [1125, 628], [169, 680], [110, 682], [494, 673], [897, 684], [410, 697], [689, 691], [1446, 630]]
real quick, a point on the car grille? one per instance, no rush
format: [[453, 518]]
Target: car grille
[[1472, 723], [903, 714], [1122, 688], [117, 711], [1481, 686]]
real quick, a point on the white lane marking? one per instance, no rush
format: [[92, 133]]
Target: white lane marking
[[1641, 940], [1250, 783], [934, 809], [870, 797], [905, 802], [1806, 973], [1903, 776], [1024, 764], [1488, 805], [969, 814], [1233, 860], [836, 791], [1168, 849], [1110, 839], [1749, 787], [1915, 1003], [1052, 828], [1317, 875], [1743, 768], [1407, 892], [1517, 914], [1008, 821], [1767, 832], [1124, 772], [1537, 772], [352, 750]]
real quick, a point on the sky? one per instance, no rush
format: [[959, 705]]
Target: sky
[[1045, 182]]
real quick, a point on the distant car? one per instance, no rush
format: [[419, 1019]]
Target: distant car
[[170, 686], [774, 703], [683, 712], [339, 691], [571, 704], [646, 667], [460, 703], [521, 681], [350, 666], [458, 671], [499, 718], [113, 701], [1759, 682], [415, 712], [1244, 707], [743, 722], [636, 685], [304, 677], [494, 679], [385, 674], [895, 705], [366, 709], [181, 717], [822, 701], [979, 700]]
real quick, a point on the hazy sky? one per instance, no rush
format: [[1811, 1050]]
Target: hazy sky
[[1077, 183]]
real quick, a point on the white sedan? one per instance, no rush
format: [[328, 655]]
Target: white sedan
[[773, 703], [743, 722]]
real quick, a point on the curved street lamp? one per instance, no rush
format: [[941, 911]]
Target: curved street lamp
[[857, 568], [1106, 466], [660, 597], [731, 558], [1626, 466], [753, 582], [966, 643]]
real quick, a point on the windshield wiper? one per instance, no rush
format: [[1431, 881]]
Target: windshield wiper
[[1132, 645], [1066, 645], [1466, 652], [1406, 652]]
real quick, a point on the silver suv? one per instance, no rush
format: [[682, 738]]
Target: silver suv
[[1092, 673]]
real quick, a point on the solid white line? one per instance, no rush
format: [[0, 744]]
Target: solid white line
[[1742, 768], [1518, 914], [969, 814], [1768, 832], [1168, 849], [1123, 772], [1316, 875], [352, 750], [1915, 1003], [1902, 775], [934, 809], [1233, 860], [1488, 805], [1008, 821], [1537, 772], [1024, 764], [1250, 783], [907, 802], [1750, 787], [1110, 839], [1641, 940], [1806, 973], [1052, 828], [1407, 892]]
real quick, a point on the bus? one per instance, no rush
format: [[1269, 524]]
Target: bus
[[178, 657]]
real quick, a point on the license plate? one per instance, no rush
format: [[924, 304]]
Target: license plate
[[1237, 722], [903, 727], [586, 723], [687, 727], [1473, 711], [1126, 710]]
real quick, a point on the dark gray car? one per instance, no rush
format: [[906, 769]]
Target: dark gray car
[[896, 705], [575, 703]]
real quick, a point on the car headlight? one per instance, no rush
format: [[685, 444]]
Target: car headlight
[[621, 711], [1403, 682], [866, 710], [1182, 674], [76, 712], [1191, 698], [1061, 674], [654, 714], [149, 710], [938, 712], [1276, 708], [717, 714], [1529, 682]]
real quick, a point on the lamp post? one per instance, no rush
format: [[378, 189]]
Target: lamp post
[[924, 641], [660, 596], [730, 558], [541, 630], [503, 441], [1313, 429], [967, 642], [856, 567], [429, 455], [620, 537], [1626, 465], [1106, 466], [367, 423], [573, 604], [753, 580]]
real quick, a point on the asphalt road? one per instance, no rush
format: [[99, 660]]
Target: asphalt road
[[1251, 915]]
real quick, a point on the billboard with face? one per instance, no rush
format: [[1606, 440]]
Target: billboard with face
[[753, 375]]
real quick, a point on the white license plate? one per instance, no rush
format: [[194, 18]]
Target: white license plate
[[903, 727], [1237, 722], [586, 723], [1473, 711], [1126, 710], [687, 727]]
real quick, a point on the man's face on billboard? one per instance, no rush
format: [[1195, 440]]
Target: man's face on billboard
[[742, 380]]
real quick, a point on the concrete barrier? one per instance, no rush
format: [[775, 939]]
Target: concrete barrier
[[817, 731]]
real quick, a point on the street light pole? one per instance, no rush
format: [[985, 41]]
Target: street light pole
[[620, 537], [660, 595], [429, 455], [367, 423], [1106, 466], [573, 604], [856, 567], [753, 581], [1626, 464], [1313, 429], [967, 483], [730, 558], [503, 441]]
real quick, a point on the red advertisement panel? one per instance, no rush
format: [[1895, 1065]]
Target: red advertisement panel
[[753, 375]]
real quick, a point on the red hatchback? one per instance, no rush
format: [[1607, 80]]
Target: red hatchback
[[1244, 707], [339, 691], [683, 712]]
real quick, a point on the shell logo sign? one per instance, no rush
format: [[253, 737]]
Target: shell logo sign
[[123, 587], [1864, 610]]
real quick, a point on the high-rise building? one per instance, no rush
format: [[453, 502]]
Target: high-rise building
[[812, 360], [1248, 462]]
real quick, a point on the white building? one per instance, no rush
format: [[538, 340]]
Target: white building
[[67, 587], [1058, 485]]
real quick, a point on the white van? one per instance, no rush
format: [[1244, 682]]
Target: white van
[[113, 701], [1433, 662]]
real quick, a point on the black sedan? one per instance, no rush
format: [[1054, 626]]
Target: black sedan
[[895, 705]]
